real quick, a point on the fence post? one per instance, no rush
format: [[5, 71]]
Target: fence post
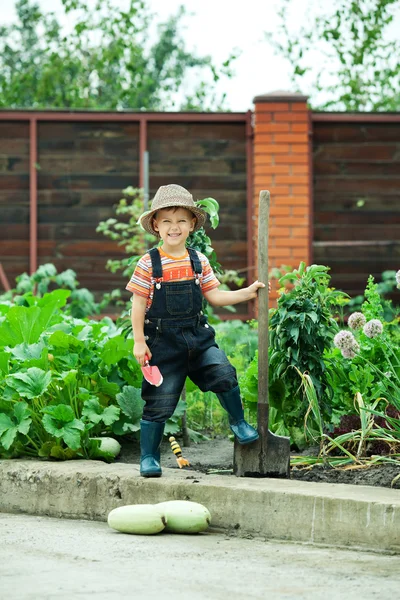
[[282, 165]]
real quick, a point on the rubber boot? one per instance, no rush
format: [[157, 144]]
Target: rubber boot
[[232, 403], [151, 433]]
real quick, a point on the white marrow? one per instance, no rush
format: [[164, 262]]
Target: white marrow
[[184, 516], [137, 518], [108, 444]]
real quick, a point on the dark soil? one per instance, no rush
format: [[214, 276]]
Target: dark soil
[[216, 456]]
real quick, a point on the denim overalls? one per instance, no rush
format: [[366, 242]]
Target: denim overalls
[[182, 343]]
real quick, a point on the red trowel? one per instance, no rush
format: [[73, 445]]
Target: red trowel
[[151, 373]]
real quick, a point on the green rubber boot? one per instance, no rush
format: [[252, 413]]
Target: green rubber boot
[[151, 433], [232, 403]]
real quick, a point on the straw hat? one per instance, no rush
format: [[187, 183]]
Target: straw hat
[[169, 196]]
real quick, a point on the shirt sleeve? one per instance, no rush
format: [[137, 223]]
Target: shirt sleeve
[[208, 280], [140, 282]]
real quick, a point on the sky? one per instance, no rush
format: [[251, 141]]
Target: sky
[[216, 27]]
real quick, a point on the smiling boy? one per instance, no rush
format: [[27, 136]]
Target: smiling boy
[[169, 327]]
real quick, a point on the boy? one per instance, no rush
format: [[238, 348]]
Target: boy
[[169, 326]]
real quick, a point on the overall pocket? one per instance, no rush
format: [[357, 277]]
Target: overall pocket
[[179, 299]]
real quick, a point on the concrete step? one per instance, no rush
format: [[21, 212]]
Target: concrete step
[[316, 513]]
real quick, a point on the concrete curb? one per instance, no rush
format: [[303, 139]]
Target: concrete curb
[[317, 513]]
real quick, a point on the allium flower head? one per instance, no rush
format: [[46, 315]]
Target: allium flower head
[[398, 278], [350, 352], [344, 340], [373, 328], [356, 320]]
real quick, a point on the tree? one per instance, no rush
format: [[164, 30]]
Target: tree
[[345, 56], [105, 62]]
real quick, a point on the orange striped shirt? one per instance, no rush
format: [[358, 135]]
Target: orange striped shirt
[[174, 269]]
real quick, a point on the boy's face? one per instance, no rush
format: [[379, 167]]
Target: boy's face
[[174, 225]]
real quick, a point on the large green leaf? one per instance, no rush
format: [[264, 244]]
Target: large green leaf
[[4, 362], [95, 413], [60, 422], [19, 422], [115, 349], [59, 339], [131, 402], [26, 324], [104, 386], [31, 384], [25, 351]]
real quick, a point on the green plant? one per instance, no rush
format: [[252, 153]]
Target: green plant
[[81, 302], [64, 381]]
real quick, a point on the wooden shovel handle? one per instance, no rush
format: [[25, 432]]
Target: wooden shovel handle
[[263, 227]]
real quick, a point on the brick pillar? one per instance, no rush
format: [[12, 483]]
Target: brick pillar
[[282, 165]]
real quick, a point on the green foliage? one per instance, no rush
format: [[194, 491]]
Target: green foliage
[[64, 380], [301, 327], [359, 62], [372, 306], [301, 330], [105, 62], [81, 302]]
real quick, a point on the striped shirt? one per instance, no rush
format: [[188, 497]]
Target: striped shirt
[[174, 269]]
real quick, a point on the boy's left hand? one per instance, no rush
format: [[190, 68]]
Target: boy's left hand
[[253, 288]]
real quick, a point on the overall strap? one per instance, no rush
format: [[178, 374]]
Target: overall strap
[[156, 263], [194, 259]]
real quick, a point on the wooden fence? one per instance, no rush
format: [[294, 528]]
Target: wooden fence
[[61, 173], [334, 181]]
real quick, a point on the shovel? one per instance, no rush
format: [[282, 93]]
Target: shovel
[[269, 456]]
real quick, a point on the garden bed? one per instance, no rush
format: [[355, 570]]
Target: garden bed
[[216, 455]]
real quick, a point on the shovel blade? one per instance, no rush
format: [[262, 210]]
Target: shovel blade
[[152, 375], [269, 456]]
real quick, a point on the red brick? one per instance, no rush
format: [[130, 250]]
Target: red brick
[[263, 180], [281, 211], [290, 138], [300, 107], [300, 232], [301, 254], [278, 253], [299, 190], [262, 137], [279, 189], [271, 169], [263, 128], [292, 221], [263, 159], [300, 149], [300, 169], [263, 117], [280, 232], [292, 159], [290, 242], [272, 148], [279, 127], [272, 106], [301, 208], [292, 179], [300, 127], [291, 117]]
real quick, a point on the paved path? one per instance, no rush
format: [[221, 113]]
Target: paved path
[[44, 559]]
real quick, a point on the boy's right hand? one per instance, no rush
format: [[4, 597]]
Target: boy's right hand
[[140, 350]]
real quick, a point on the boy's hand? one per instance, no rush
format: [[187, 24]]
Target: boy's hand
[[140, 350], [253, 288]]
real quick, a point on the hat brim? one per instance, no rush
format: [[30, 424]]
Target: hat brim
[[146, 219]]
